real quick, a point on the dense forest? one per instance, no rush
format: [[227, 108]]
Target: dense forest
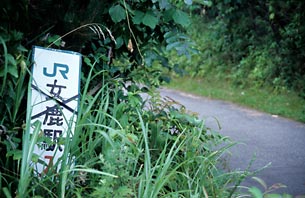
[[253, 43]]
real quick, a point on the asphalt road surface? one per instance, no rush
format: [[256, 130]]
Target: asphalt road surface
[[272, 139]]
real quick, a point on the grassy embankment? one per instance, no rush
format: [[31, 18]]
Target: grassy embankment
[[246, 83], [285, 103]]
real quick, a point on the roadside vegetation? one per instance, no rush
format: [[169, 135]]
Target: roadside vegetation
[[123, 145], [283, 103], [250, 53]]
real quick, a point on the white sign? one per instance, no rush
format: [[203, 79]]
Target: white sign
[[54, 101]]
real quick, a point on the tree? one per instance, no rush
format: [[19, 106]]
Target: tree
[[131, 33], [264, 40], [125, 38]]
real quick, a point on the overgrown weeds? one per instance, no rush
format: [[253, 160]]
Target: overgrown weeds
[[125, 146]]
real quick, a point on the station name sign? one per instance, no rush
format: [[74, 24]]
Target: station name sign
[[54, 101]]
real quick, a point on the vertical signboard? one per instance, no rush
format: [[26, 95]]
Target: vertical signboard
[[54, 101]]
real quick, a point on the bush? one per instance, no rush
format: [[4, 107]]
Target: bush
[[254, 44], [123, 146]]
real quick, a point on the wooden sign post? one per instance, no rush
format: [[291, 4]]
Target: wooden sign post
[[54, 101]]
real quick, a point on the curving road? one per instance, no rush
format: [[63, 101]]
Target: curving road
[[271, 138]]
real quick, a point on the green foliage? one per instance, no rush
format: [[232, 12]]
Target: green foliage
[[267, 192], [13, 80], [253, 43], [284, 103], [12, 75], [117, 13], [121, 149], [123, 145]]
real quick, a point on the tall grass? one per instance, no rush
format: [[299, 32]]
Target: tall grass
[[156, 175], [120, 149]]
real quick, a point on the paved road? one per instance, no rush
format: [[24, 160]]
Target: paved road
[[273, 139]]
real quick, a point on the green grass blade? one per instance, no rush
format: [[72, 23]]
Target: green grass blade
[[5, 65]]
